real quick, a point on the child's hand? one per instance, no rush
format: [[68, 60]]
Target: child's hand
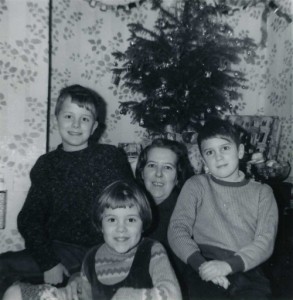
[[214, 268], [55, 275], [72, 290], [221, 281]]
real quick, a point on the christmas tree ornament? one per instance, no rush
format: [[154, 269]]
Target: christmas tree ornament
[[116, 79], [123, 111], [207, 74]]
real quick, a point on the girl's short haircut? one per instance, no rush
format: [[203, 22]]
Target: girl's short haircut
[[183, 166], [122, 194], [83, 97], [220, 128]]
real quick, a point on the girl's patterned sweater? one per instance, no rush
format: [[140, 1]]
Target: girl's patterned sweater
[[112, 267]]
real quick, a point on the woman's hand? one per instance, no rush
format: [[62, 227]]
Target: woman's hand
[[72, 290], [55, 275]]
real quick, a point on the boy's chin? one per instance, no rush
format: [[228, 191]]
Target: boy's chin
[[72, 148]]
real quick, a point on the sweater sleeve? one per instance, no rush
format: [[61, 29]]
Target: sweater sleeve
[[86, 288], [262, 245], [165, 282], [32, 219], [180, 229]]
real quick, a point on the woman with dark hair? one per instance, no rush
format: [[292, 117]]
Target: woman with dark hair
[[183, 167], [162, 169]]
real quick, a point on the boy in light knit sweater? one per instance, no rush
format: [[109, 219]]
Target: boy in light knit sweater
[[224, 225]]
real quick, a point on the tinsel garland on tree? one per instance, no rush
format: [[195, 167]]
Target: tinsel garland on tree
[[184, 67]]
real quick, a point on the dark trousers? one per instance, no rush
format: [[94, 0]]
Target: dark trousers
[[250, 285], [21, 266]]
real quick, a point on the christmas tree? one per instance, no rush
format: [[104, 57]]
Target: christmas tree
[[183, 67]]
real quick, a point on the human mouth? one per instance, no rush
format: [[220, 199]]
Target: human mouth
[[155, 183], [121, 239], [74, 133], [221, 166]]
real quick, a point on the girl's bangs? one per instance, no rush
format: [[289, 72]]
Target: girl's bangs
[[121, 203]]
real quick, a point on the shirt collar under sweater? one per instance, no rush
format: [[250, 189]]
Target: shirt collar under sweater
[[243, 182]]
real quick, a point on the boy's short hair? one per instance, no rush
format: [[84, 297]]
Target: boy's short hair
[[122, 194], [216, 127], [83, 97]]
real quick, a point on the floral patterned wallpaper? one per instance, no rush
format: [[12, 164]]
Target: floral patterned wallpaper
[[83, 38], [23, 102]]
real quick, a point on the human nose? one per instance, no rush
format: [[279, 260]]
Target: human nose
[[76, 123], [159, 172], [218, 155], [121, 227]]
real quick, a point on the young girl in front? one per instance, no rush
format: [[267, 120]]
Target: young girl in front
[[126, 266]]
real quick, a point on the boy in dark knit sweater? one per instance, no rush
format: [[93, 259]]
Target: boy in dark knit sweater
[[55, 219], [224, 225]]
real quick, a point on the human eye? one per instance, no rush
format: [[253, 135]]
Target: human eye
[[132, 219], [85, 119], [150, 165], [208, 152], [168, 167], [67, 116], [226, 147], [110, 219]]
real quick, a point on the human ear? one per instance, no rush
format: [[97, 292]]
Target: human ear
[[142, 172], [204, 166], [95, 126], [206, 169], [240, 151]]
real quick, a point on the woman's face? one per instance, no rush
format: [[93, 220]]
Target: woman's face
[[160, 173]]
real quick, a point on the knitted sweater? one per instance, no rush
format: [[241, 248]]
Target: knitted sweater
[[112, 267], [231, 221], [59, 201]]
